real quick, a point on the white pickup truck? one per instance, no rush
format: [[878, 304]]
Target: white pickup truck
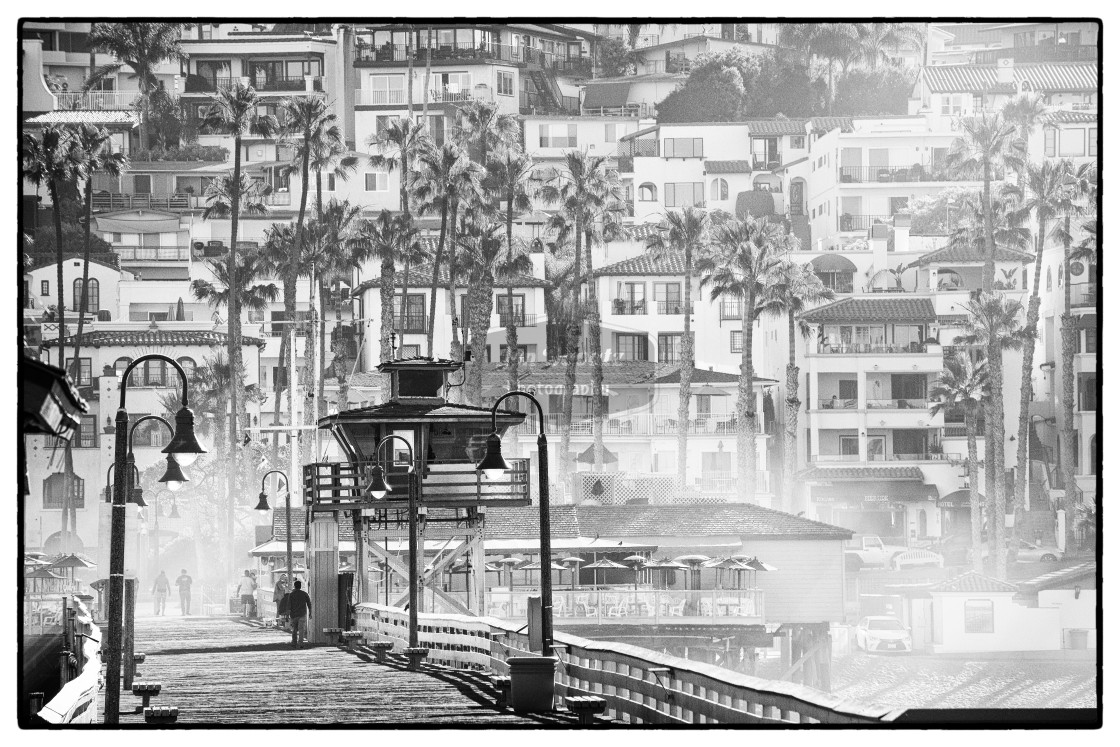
[[870, 550]]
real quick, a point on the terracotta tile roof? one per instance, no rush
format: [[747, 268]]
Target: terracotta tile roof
[[105, 259], [826, 124], [1073, 76], [704, 376], [642, 231], [962, 253], [644, 264], [862, 473], [420, 277], [149, 337], [68, 116], [773, 127], [1064, 116], [727, 167], [407, 410], [892, 309], [974, 582]]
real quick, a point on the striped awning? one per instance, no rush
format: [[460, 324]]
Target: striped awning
[[833, 263]]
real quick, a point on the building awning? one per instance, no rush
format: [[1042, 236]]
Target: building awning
[[606, 95], [639, 133], [833, 263], [959, 499], [587, 456], [873, 495], [1087, 321], [159, 223]]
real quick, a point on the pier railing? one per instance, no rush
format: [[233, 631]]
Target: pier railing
[[639, 685]]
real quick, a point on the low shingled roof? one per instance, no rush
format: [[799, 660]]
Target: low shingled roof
[[973, 582], [144, 337], [889, 309], [862, 473], [727, 167], [421, 277], [962, 252], [672, 263]]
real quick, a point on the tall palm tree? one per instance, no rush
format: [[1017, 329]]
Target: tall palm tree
[[483, 126], [485, 258], [797, 289], [963, 385], [876, 41], [745, 258], [233, 111], [588, 194], [141, 46], [988, 145], [52, 159], [1047, 196], [412, 251], [683, 233], [511, 176], [246, 283], [993, 323], [386, 234], [444, 177], [830, 41]]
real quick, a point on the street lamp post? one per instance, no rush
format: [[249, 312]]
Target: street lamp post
[[494, 465], [185, 448], [173, 476], [262, 505], [378, 488]]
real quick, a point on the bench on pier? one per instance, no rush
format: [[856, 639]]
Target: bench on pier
[[336, 632], [138, 658], [502, 685], [380, 649], [147, 691], [161, 715], [415, 657], [350, 637], [587, 707]]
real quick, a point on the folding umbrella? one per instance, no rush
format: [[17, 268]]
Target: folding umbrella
[[604, 563]]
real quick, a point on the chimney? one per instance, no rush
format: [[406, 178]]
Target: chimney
[[1005, 69], [902, 232]]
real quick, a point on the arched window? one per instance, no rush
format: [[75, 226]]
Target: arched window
[[119, 367], [93, 302], [647, 192], [719, 189], [188, 367], [155, 373], [1049, 280]]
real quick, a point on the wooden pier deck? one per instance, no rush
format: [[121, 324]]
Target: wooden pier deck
[[223, 671]]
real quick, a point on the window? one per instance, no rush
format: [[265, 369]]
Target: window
[[155, 373], [736, 341], [121, 364], [85, 370], [142, 184], [610, 133], [45, 288], [632, 347], [1090, 340], [505, 83], [117, 236], [684, 147], [979, 616], [951, 105], [899, 204], [1049, 136], [93, 300], [412, 312], [849, 445], [522, 352], [668, 297], [381, 123], [719, 189], [1071, 142], [328, 183], [377, 181], [558, 136], [684, 194], [646, 193], [54, 489], [504, 309], [1093, 141], [410, 351], [669, 347], [158, 316], [87, 432], [1049, 279], [386, 89], [188, 367], [797, 141]]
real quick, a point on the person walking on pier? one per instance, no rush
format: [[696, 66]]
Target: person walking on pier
[[184, 583], [160, 589], [299, 608], [245, 592], [279, 597]]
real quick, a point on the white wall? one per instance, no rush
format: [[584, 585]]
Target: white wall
[[1015, 627]]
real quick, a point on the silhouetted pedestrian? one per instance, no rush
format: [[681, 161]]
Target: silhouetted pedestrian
[[299, 608], [160, 589], [184, 583]]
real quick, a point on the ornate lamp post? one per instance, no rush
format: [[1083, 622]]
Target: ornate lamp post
[[378, 488], [262, 505], [185, 448], [494, 465]]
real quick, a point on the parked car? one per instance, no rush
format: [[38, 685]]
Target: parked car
[[1028, 552], [870, 551], [883, 633]]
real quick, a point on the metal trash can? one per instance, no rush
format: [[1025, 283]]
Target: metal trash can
[[532, 683]]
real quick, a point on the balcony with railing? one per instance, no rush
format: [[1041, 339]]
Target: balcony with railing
[[625, 307], [286, 83], [518, 319], [96, 100], [623, 426], [1038, 53], [153, 253], [898, 404], [866, 348], [207, 83], [372, 56], [906, 173], [1082, 295], [626, 110], [673, 308], [927, 456], [443, 95], [277, 199], [623, 605], [532, 102], [849, 222], [122, 201]]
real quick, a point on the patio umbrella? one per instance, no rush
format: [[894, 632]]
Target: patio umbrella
[[508, 561], [754, 565], [638, 561], [43, 581], [587, 456], [693, 561], [69, 563], [604, 563], [575, 562]]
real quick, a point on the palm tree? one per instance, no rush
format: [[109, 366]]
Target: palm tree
[[988, 144], [443, 178], [141, 46], [588, 195], [1047, 196], [745, 258], [875, 41], [798, 290], [252, 268], [53, 158], [412, 251], [386, 234], [993, 323], [233, 111], [683, 233], [832, 41], [482, 125], [510, 177], [485, 258], [95, 144], [963, 385]]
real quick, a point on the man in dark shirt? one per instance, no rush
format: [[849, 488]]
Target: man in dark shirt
[[299, 608], [184, 583]]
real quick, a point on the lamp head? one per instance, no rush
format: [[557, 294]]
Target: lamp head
[[174, 510], [137, 497], [173, 476], [184, 445], [377, 487], [262, 503], [493, 465]]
